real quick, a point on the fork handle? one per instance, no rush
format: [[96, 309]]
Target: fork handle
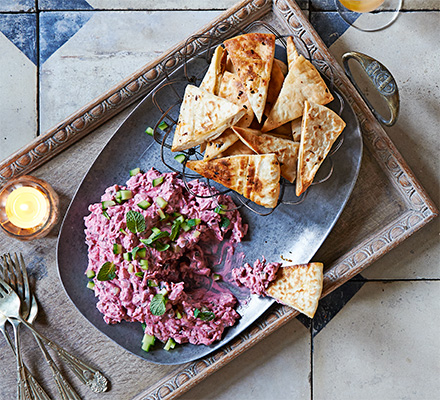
[[23, 389], [93, 378], [65, 389]]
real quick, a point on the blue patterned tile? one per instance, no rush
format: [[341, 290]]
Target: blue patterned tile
[[20, 29], [17, 5], [331, 304], [64, 5], [322, 5], [330, 25], [56, 28]]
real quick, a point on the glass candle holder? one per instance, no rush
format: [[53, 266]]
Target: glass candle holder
[[29, 208]]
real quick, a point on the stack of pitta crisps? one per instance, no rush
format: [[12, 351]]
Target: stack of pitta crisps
[[251, 105], [298, 286]]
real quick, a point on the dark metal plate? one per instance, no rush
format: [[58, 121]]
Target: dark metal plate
[[290, 232]]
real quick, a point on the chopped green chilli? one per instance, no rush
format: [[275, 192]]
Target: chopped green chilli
[[90, 274], [180, 158], [147, 342], [104, 213], [170, 344], [161, 202], [157, 181], [107, 272], [117, 248], [158, 305], [144, 204], [163, 125], [144, 264], [123, 231], [140, 274], [107, 204], [135, 171], [135, 221], [149, 131]]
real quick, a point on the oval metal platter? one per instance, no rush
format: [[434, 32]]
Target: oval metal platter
[[291, 232]]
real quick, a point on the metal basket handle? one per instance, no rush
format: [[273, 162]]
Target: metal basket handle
[[382, 80]]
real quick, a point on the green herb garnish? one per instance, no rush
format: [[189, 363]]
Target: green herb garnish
[[204, 315], [140, 274], [161, 247], [175, 230], [104, 213], [151, 283], [193, 222], [157, 305], [157, 234], [220, 209], [224, 222], [107, 272], [135, 221]]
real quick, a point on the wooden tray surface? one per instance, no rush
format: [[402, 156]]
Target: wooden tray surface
[[387, 205]]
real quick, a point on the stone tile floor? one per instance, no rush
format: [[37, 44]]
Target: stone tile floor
[[378, 335]]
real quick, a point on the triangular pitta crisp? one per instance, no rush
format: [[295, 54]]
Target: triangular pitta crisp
[[238, 148], [219, 145], [298, 286], [285, 150], [203, 116], [303, 82], [256, 177], [231, 89], [296, 129], [275, 85], [282, 65], [252, 55], [212, 79], [320, 128]]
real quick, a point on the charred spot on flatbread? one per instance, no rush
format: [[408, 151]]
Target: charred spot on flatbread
[[298, 286], [203, 116], [252, 55], [320, 129], [256, 177]]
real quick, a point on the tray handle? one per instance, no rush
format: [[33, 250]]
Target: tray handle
[[382, 80]]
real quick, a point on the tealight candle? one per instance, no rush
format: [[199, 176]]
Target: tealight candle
[[28, 208]]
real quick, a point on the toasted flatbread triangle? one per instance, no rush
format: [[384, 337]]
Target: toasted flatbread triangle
[[256, 177], [275, 85], [219, 145], [212, 79], [295, 126], [231, 89], [298, 286], [203, 116], [320, 128], [303, 82], [238, 148], [285, 150], [252, 55]]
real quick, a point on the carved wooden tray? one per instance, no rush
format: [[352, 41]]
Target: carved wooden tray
[[386, 207]]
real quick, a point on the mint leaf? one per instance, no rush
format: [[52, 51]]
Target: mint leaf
[[157, 234], [162, 247], [175, 230], [135, 221], [157, 305], [204, 315], [107, 272], [224, 222]]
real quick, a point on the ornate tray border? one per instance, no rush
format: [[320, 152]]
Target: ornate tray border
[[420, 210]]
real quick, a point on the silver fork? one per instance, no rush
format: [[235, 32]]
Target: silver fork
[[10, 308], [26, 385], [17, 268]]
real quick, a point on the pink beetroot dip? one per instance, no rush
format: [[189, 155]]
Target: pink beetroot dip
[[180, 273]]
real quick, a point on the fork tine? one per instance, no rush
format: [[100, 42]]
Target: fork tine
[[12, 275], [5, 289], [25, 279]]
